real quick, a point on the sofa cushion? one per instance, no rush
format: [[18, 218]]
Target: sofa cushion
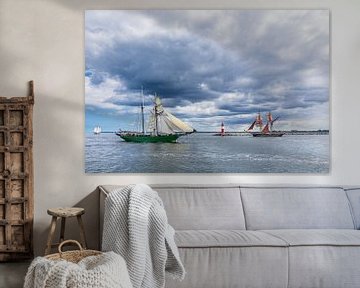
[[324, 266], [220, 267], [315, 237], [199, 207], [192, 208], [322, 258], [226, 238], [296, 208]]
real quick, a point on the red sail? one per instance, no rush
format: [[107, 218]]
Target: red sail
[[266, 129], [252, 125], [269, 117], [258, 120]]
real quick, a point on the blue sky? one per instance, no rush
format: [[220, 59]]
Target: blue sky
[[208, 67]]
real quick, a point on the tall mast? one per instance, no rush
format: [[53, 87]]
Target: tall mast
[[259, 121], [269, 120], [156, 117], [142, 111]]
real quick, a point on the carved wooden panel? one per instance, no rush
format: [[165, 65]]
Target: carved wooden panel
[[16, 177]]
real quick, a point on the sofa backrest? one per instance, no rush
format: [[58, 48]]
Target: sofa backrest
[[200, 207], [203, 208], [296, 208]]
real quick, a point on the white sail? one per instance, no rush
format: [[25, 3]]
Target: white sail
[[97, 130], [178, 124], [166, 123]]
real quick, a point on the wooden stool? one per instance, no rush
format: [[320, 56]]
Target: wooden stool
[[64, 213]]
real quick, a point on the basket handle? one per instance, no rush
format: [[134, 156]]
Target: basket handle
[[69, 241]]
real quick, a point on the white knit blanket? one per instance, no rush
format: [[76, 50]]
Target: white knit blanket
[[103, 271], [136, 227]]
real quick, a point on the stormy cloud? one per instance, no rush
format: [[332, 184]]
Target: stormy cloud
[[209, 66]]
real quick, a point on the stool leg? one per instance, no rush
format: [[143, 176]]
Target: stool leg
[[51, 235], [82, 232], [62, 230]]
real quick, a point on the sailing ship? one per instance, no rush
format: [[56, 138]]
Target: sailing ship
[[267, 131], [97, 130], [163, 127]]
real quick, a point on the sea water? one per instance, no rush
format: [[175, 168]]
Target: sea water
[[206, 153]]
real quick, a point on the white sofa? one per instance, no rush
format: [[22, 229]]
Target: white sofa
[[242, 236]]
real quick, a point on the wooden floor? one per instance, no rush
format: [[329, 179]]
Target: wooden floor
[[12, 274]]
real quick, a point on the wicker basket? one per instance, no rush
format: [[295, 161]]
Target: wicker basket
[[72, 256]]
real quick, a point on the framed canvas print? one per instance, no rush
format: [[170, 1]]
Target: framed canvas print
[[203, 91]]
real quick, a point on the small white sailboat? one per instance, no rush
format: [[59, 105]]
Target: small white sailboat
[[97, 130]]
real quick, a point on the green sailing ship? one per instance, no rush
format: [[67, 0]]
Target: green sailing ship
[[163, 127]]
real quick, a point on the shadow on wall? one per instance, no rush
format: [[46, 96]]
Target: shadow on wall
[[30, 52], [56, 155], [72, 231], [114, 4], [91, 217], [9, 84]]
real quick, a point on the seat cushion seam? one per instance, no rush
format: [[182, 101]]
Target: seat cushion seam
[[233, 246], [320, 245], [310, 245], [277, 236], [288, 267]]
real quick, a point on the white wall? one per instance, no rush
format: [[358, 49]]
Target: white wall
[[43, 40]]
